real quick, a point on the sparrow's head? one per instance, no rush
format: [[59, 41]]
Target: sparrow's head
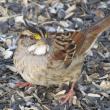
[[35, 40]]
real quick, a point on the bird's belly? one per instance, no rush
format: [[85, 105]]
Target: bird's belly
[[35, 69], [31, 68]]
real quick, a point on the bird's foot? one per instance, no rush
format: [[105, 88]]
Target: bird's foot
[[67, 97], [23, 84]]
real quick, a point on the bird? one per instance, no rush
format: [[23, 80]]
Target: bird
[[44, 58]]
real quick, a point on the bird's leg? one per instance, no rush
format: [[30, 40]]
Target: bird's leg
[[68, 96], [23, 84]]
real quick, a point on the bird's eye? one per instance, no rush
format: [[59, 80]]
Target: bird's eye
[[37, 36]]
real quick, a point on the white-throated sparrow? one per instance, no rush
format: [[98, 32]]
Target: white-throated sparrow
[[47, 58]]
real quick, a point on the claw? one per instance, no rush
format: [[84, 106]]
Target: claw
[[69, 96]]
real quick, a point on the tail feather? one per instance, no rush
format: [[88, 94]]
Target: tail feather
[[93, 33]]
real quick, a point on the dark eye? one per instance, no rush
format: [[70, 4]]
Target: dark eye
[[22, 36], [31, 38]]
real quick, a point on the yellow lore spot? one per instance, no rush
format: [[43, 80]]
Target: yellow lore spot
[[46, 35], [37, 36]]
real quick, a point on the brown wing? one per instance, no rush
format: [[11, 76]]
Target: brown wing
[[64, 48]]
